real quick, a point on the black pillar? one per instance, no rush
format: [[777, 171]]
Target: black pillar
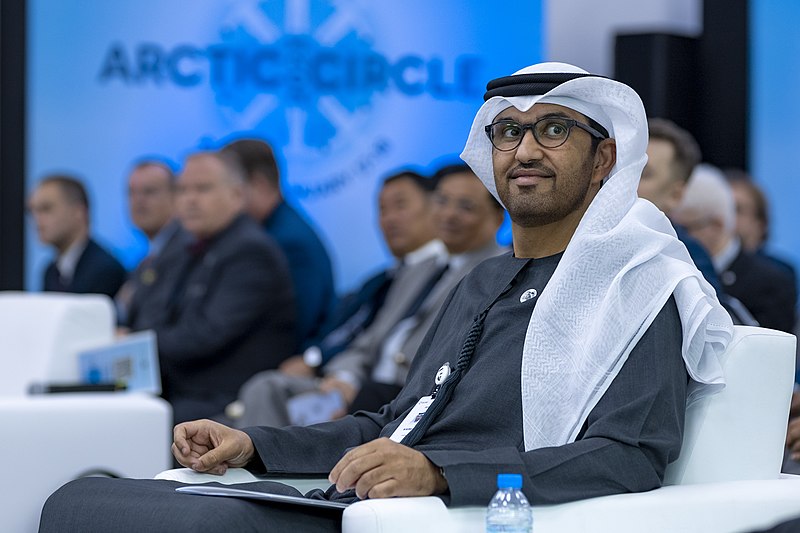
[[725, 75], [699, 83], [12, 144]]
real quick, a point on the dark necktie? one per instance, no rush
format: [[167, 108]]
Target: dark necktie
[[426, 289], [338, 339], [54, 281], [445, 392]]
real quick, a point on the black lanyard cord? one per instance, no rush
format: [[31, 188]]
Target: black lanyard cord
[[462, 364]]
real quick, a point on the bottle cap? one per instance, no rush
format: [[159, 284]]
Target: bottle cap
[[509, 481]]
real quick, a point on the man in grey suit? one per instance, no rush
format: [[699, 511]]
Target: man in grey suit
[[224, 300]]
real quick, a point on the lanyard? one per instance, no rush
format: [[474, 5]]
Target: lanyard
[[444, 392]]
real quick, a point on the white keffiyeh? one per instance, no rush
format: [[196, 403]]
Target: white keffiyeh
[[619, 269]]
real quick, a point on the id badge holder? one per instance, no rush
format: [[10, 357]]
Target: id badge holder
[[421, 407]]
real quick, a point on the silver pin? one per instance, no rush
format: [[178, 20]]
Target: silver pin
[[442, 374], [527, 295]]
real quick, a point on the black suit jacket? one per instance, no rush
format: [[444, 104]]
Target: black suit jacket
[[228, 313], [768, 291], [151, 279], [96, 272]]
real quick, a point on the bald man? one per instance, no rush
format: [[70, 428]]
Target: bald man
[[708, 212], [220, 301]]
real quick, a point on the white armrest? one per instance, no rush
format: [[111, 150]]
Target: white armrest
[[409, 514], [52, 439], [240, 475], [708, 508]]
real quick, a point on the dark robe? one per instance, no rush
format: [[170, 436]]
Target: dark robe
[[624, 446]]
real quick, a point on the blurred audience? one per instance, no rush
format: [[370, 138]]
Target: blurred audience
[[60, 208], [373, 367], [309, 264], [708, 212], [151, 201], [405, 214], [466, 218], [224, 301], [672, 154]]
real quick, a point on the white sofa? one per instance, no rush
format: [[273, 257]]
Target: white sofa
[[50, 439], [726, 480]]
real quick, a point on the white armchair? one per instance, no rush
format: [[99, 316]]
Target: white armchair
[[726, 480], [42, 333], [54, 438]]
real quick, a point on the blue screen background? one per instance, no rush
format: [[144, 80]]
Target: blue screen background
[[345, 91]]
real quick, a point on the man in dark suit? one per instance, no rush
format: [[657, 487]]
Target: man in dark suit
[[228, 307], [60, 207], [151, 200], [309, 264]]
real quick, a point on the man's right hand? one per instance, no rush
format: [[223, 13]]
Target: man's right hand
[[209, 447]]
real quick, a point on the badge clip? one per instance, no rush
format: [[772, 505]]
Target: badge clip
[[441, 376]]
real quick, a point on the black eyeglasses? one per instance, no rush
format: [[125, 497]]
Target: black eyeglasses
[[550, 132]]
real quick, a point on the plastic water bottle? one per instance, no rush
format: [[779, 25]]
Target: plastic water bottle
[[509, 510]]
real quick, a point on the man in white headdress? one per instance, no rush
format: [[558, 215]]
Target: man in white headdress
[[570, 360]]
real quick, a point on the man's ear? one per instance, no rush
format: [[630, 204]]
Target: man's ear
[[605, 157]]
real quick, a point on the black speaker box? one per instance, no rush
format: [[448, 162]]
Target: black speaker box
[[662, 68]]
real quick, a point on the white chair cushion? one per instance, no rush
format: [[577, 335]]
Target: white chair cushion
[[43, 332], [739, 433], [51, 439]]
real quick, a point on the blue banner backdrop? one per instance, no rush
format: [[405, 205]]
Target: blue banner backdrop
[[346, 91], [775, 116]]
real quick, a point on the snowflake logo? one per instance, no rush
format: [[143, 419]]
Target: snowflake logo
[[301, 70]]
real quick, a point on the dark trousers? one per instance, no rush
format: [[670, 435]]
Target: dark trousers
[[102, 504]]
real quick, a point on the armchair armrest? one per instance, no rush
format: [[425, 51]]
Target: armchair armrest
[[724, 507]]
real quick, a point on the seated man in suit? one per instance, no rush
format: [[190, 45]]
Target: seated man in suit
[[467, 218], [405, 220], [568, 360], [224, 301], [151, 200], [60, 207], [708, 212], [309, 263]]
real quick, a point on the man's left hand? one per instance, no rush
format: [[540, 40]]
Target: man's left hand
[[383, 468]]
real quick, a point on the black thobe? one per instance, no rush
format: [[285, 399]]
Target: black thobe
[[625, 445]]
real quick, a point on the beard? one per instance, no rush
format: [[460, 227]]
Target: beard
[[548, 201]]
